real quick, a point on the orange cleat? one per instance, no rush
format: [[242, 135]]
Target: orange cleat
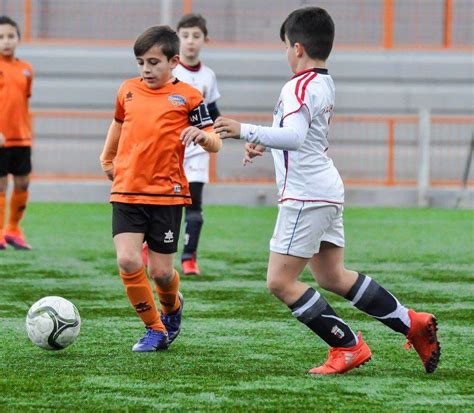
[[342, 359], [17, 240], [190, 266], [422, 337], [145, 254]]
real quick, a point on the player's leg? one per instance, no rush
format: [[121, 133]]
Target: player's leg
[[129, 223], [297, 232], [310, 308], [4, 161], [20, 168], [192, 230], [3, 191], [162, 240], [368, 296]]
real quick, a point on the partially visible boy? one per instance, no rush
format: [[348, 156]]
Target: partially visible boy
[[156, 116], [192, 32], [16, 79], [309, 228]]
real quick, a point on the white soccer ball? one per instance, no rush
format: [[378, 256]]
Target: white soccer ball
[[53, 323]]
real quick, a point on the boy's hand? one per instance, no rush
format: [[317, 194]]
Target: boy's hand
[[227, 128], [193, 134], [251, 151], [2, 140]]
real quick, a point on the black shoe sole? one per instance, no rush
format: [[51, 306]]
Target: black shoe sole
[[432, 363]]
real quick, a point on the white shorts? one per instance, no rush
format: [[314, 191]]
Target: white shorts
[[196, 166], [302, 226]]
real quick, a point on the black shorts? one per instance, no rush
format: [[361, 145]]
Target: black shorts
[[160, 224], [15, 160]]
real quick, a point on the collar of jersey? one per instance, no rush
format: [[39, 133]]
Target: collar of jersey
[[314, 69], [194, 68]]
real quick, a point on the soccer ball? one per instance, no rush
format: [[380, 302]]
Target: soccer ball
[[53, 323]]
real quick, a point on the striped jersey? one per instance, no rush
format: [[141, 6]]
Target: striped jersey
[[308, 174]]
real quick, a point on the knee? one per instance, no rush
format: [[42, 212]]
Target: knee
[[21, 184], [23, 187], [129, 262], [276, 286], [161, 276]]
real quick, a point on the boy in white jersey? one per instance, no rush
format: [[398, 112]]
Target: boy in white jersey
[[192, 32], [309, 228]]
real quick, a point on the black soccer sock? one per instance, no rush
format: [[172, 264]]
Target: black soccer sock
[[192, 231], [315, 312], [376, 301]]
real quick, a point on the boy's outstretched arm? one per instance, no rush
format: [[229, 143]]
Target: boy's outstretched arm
[[290, 136], [110, 149]]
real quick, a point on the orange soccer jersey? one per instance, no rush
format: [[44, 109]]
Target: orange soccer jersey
[[148, 167], [16, 79]]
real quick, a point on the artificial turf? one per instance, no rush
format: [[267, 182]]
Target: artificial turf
[[240, 349]]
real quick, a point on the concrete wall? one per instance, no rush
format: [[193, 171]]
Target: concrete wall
[[250, 81]]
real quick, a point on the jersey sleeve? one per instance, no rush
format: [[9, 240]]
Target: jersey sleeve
[[119, 115]]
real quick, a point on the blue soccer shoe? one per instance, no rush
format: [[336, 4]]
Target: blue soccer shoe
[[153, 340], [172, 321]]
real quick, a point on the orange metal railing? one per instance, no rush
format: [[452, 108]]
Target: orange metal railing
[[367, 149], [381, 24]]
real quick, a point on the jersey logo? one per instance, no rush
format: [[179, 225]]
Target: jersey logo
[[26, 73], [128, 96], [168, 237], [177, 100], [199, 117], [177, 189]]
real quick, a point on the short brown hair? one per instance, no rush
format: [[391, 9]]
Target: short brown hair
[[193, 20], [313, 27], [163, 36]]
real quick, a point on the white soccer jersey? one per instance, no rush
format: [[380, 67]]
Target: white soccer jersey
[[299, 139], [196, 159]]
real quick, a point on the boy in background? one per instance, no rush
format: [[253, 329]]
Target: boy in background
[[156, 116], [192, 32], [16, 79], [309, 228]]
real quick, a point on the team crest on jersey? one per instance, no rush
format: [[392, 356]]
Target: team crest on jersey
[[177, 100], [128, 96]]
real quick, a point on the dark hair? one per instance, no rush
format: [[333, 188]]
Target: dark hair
[[193, 20], [163, 36], [11, 22], [313, 27]]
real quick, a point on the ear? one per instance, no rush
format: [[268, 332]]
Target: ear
[[207, 40], [174, 61], [299, 49]]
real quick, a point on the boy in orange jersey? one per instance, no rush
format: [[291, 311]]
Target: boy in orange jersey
[[16, 78], [156, 116]]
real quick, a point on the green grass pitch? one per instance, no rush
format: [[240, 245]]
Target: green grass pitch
[[240, 349]]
